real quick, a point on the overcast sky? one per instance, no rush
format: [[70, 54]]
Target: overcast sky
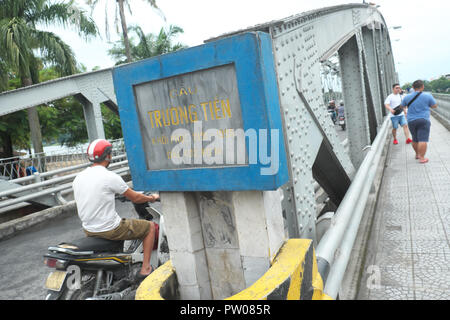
[[421, 47]]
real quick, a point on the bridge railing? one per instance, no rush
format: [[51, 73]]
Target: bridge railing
[[340, 236], [54, 183], [443, 109], [21, 166]]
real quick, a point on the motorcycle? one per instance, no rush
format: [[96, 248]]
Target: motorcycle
[[99, 269], [342, 122], [332, 114]]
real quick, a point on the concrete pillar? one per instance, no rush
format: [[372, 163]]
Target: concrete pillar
[[187, 249], [93, 117], [221, 242]]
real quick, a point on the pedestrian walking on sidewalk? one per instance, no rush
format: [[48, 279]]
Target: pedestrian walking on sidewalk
[[391, 103], [419, 104]]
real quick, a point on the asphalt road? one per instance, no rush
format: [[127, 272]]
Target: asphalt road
[[22, 269]]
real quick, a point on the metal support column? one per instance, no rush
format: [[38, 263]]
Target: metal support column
[[355, 99], [372, 70]]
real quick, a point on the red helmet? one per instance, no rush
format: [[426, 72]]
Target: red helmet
[[98, 150]]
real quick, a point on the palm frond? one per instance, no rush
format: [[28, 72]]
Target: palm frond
[[15, 42], [56, 52], [66, 15]]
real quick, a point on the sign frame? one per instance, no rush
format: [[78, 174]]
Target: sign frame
[[251, 53]]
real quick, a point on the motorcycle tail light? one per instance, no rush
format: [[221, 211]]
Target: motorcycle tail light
[[49, 262], [55, 263]]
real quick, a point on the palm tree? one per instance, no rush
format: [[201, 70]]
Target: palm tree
[[23, 46], [120, 9], [149, 45]]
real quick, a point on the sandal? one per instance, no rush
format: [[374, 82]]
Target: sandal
[[140, 277], [424, 160]]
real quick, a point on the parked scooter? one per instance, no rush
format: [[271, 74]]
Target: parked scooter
[[99, 269], [342, 122]]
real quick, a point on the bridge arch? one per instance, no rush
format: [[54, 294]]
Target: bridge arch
[[358, 34]]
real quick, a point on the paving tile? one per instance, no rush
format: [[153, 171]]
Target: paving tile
[[425, 278], [430, 246], [394, 233], [433, 261], [392, 293], [395, 246], [428, 232], [431, 294], [432, 270]]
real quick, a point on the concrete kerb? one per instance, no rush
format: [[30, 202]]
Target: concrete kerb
[[11, 228]]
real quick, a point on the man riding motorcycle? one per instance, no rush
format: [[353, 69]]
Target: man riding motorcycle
[[332, 110], [94, 192]]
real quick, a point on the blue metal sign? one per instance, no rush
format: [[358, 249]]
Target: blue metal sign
[[205, 118]]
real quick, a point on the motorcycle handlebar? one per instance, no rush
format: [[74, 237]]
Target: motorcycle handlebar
[[142, 211]]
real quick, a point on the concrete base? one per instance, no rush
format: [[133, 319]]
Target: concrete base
[[221, 242]]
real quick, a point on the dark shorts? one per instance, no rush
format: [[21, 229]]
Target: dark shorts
[[420, 130], [128, 229]]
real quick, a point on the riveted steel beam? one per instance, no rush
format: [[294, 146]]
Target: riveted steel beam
[[372, 72], [352, 72]]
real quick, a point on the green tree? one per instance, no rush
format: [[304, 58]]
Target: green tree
[[23, 45], [120, 4], [149, 45], [441, 85]]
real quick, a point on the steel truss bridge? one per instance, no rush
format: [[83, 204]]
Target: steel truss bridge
[[328, 172]]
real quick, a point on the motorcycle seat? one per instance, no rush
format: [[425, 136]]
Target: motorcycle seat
[[97, 245]]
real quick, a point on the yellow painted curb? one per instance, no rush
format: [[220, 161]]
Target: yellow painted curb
[[292, 276], [152, 286]]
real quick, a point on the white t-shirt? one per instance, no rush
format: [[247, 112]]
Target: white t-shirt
[[94, 190], [394, 100]]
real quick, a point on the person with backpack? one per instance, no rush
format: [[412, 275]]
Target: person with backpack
[[419, 104], [392, 103]]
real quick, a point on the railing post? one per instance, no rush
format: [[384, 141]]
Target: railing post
[[37, 179]]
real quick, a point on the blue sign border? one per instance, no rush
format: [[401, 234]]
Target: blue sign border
[[252, 56]]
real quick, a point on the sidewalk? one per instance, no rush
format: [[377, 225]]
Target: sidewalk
[[408, 252]]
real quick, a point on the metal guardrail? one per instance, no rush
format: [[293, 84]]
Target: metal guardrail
[[334, 249], [443, 109], [20, 166], [56, 184]]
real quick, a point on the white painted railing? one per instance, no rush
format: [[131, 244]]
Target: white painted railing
[[53, 183]]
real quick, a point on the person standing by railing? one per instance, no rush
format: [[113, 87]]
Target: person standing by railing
[[419, 118]]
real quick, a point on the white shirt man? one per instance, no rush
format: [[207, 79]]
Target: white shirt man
[[94, 191], [98, 214], [391, 102]]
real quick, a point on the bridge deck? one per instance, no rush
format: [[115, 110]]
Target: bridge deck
[[409, 240]]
